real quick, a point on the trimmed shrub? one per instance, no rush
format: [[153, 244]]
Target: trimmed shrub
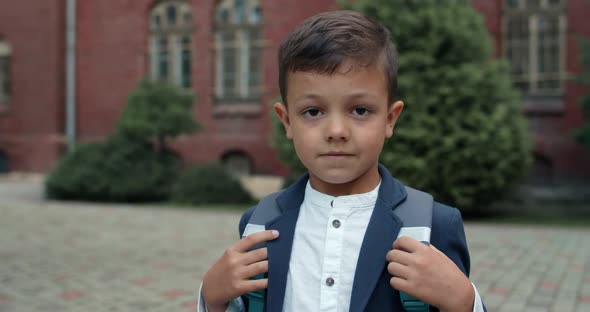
[[209, 184], [128, 167], [117, 170], [157, 111], [76, 175]]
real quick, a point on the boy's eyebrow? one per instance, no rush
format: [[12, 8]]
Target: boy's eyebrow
[[354, 95], [310, 96], [361, 94]]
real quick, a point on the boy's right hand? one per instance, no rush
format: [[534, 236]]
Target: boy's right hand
[[228, 278]]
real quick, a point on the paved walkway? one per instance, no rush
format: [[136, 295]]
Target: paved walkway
[[89, 257]]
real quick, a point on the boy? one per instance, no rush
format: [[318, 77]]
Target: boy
[[334, 246]]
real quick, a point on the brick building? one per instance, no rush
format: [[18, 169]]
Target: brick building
[[225, 51]]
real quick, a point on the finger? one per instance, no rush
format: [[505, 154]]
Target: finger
[[438, 251], [399, 284], [254, 239], [255, 255], [399, 256], [408, 244], [254, 285], [254, 269], [398, 270]]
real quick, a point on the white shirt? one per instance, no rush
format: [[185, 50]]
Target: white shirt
[[326, 245]]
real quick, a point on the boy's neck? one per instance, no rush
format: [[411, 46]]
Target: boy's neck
[[363, 184]]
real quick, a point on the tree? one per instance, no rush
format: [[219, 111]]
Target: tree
[[583, 134], [126, 167], [159, 111], [462, 135]]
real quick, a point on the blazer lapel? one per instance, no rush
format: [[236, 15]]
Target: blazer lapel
[[279, 250], [381, 232]]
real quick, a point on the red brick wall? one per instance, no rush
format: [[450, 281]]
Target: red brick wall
[[112, 57], [571, 159], [31, 126], [551, 131]]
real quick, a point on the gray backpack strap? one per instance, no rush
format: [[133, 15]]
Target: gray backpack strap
[[266, 210], [416, 215]]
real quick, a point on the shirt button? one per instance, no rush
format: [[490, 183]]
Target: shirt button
[[329, 281], [336, 223]]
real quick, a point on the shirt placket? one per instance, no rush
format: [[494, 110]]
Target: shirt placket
[[331, 278]]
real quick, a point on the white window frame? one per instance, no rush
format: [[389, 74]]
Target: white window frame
[[174, 35], [242, 45], [532, 15]]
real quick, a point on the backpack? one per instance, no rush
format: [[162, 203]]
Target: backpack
[[415, 213]]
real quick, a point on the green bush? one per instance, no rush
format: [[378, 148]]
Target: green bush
[[134, 164], [157, 111], [462, 136], [76, 175], [117, 170], [209, 184]]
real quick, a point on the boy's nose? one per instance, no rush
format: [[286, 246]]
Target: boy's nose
[[337, 130]]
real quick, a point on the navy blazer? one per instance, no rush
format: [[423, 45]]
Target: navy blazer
[[371, 290]]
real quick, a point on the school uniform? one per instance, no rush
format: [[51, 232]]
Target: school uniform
[[330, 254]]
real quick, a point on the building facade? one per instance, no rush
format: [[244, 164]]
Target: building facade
[[225, 51]]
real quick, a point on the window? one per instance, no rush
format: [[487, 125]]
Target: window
[[170, 42], [238, 28], [5, 88], [534, 37]]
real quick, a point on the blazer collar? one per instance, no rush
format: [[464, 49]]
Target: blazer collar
[[383, 228], [279, 250]]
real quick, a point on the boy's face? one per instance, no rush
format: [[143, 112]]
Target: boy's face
[[338, 124]]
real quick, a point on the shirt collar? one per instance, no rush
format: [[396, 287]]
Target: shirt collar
[[364, 200]]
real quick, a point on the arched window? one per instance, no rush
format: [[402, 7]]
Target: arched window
[[534, 37], [237, 162], [5, 87], [170, 42], [238, 34]]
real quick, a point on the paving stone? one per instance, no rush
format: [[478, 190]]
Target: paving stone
[[90, 257]]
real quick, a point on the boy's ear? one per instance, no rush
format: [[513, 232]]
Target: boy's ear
[[393, 113], [282, 113]]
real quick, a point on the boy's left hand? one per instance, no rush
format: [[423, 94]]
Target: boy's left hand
[[425, 273]]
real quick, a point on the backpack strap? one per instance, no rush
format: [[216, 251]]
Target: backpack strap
[[415, 213], [266, 210]]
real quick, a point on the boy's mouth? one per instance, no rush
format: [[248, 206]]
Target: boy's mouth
[[336, 154]]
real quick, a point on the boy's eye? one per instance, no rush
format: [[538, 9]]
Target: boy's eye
[[361, 111], [312, 112]]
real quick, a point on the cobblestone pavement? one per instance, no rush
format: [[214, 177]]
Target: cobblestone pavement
[[89, 257]]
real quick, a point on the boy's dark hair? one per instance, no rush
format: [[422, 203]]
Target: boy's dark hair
[[325, 41]]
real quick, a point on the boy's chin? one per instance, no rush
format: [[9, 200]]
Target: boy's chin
[[335, 177]]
